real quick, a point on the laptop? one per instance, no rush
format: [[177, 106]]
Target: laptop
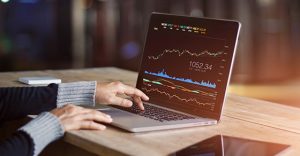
[[185, 70]]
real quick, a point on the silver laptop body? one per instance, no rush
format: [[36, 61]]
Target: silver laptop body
[[186, 67]]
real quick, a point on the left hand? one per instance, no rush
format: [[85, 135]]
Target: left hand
[[73, 117], [106, 93]]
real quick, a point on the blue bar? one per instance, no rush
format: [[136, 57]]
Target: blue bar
[[165, 75]]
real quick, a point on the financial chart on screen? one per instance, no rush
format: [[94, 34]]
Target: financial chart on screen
[[185, 65]]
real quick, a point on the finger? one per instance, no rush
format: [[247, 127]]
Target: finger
[[95, 116], [71, 110], [139, 102], [91, 125], [73, 122], [131, 91], [88, 110], [66, 110], [120, 101]]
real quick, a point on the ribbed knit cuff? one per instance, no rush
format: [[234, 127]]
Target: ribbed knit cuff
[[44, 129], [77, 93]]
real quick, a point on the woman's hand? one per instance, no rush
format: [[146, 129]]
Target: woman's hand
[[107, 94], [74, 117]]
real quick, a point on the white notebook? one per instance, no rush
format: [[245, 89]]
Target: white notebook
[[43, 80]]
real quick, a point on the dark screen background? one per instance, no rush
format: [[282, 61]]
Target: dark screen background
[[186, 63]]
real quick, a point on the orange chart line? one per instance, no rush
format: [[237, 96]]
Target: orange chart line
[[176, 96], [174, 86]]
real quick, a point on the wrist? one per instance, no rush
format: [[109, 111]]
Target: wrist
[[97, 99]]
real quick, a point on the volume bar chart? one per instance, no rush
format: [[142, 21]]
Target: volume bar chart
[[164, 74]]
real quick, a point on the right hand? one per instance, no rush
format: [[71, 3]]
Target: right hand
[[107, 93], [75, 117]]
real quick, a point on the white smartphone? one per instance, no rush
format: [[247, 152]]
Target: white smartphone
[[39, 80]]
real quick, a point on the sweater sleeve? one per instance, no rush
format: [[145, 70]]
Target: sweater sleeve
[[32, 138], [43, 130], [78, 93]]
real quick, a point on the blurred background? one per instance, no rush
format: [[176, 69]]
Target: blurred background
[[56, 34]]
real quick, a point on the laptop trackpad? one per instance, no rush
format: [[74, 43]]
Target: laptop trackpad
[[128, 119], [115, 113]]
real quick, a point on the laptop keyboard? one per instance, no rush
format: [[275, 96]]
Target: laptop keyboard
[[155, 113]]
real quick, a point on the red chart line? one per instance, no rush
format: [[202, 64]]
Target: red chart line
[[176, 96]]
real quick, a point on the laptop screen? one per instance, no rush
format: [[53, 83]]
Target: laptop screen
[[187, 62]]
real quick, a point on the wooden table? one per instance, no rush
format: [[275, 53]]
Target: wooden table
[[242, 117], [286, 92]]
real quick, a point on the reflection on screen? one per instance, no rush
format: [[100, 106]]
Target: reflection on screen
[[186, 63], [230, 146]]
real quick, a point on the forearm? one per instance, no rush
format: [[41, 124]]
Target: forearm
[[46, 127], [34, 136], [19, 143], [18, 102]]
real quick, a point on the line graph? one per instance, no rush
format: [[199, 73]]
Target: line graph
[[171, 85], [182, 52], [164, 74], [170, 96]]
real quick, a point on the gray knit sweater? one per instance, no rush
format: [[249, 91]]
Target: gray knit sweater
[[46, 128]]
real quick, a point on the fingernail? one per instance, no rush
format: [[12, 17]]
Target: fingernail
[[108, 116], [129, 104], [147, 98], [102, 127]]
